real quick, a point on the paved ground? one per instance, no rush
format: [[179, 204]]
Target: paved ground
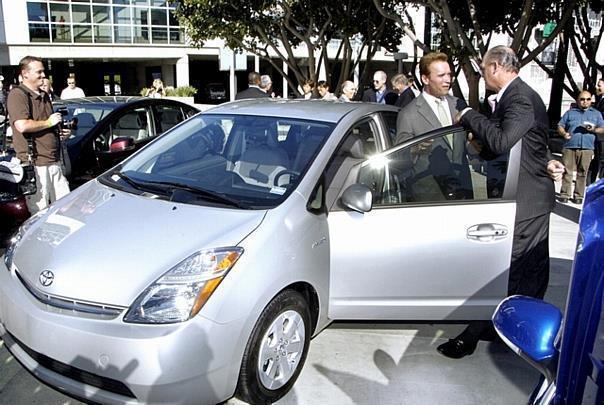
[[364, 363]]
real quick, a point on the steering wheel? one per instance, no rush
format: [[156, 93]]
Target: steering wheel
[[282, 173], [100, 143]]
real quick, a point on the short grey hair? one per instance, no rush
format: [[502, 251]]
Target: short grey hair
[[265, 81], [504, 56], [348, 85], [399, 78]]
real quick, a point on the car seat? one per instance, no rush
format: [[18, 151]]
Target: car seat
[[263, 159], [131, 126]]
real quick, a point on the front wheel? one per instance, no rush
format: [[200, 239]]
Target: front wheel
[[276, 350]]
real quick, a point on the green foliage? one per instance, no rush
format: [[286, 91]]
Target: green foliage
[[182, 91], [275, 27]]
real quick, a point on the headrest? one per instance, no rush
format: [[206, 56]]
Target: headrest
[[129, 121], [354, 145], [86, 119]]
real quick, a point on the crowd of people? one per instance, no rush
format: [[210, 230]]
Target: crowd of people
[[517, 113]]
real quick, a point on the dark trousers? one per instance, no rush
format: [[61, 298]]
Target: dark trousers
[[529, 270]]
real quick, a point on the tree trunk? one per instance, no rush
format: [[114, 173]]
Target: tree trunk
[[554, 111]]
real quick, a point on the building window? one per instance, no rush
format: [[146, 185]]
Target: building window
[[37, 12], [159, 35], [141, 35], [122, 34], [177, 36], [59, 13], [101, 14], [39, 33], [141, 16], [82, 33], [102, 34], [81, 14], [60, 32], [121, 15], [120, 22]]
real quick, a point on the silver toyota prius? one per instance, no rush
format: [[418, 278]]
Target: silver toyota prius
[[200, 268]]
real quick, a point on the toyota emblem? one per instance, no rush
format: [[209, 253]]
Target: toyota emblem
[[46, 278]]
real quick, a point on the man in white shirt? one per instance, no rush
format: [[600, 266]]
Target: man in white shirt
[[72, 91]]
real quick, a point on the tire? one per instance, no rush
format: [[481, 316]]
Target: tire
[[276, 350]]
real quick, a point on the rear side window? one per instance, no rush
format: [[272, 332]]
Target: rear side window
[[167, 116]]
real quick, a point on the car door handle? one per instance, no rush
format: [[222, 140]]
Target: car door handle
[[487, 232]]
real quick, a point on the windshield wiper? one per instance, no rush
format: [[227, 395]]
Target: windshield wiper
[[207, 195]]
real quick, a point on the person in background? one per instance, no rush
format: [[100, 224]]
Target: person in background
[[402, 94], [349, 90], [46, 87], [157, 89], [72, 91], [253, 90], [266, 85], [323, 89], [378, 93], [579, 126], [308, 87], [32, 118]]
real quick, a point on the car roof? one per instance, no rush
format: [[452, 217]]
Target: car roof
[[318, 110], [108, 100]]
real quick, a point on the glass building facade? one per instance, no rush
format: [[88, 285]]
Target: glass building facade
[[137, 22]]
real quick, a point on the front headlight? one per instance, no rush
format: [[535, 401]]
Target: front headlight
[[14, 240], [180, 293]]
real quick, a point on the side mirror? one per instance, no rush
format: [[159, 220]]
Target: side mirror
[[529, 326], [121, 144], [357, 197]]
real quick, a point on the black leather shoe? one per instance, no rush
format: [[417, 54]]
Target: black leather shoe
[[457, 348], [578, 200], [563, 199]]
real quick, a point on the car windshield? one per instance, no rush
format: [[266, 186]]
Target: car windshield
[[234, 160], [87, 115]]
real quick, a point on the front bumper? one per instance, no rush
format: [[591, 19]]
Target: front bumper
[[109, 361]]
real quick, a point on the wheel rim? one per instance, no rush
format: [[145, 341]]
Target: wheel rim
[[281, 349]]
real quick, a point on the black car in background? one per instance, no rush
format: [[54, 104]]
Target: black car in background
[[111, 128]]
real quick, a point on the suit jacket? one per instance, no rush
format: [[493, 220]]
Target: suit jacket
[[405, 98], [418, 118], [251, 92], [520, 114], [369, 96]]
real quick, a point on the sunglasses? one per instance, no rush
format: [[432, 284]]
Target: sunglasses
[[376, 81], [585, 99]]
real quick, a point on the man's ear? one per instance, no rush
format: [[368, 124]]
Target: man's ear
[[425, 80]]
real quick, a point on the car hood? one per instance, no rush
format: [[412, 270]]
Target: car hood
[[106, 246]]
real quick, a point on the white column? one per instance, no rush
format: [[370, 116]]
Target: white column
[[232, 79], [257, 64], [285, 83], [182, 71]]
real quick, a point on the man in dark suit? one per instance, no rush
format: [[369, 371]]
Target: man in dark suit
[[402, 94], [253, 91], [379, 92], [519, 114]]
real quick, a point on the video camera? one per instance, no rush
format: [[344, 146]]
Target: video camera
[[71, 124]]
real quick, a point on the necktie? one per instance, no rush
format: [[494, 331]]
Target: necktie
[[444, 119]]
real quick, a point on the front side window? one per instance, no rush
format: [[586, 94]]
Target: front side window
[[434, 170], [249, 161]]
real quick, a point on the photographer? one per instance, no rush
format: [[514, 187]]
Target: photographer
[[37, 133]]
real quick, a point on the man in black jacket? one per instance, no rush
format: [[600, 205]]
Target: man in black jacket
[[253, 91], [402, 94], [519, 114], [595, 168]]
